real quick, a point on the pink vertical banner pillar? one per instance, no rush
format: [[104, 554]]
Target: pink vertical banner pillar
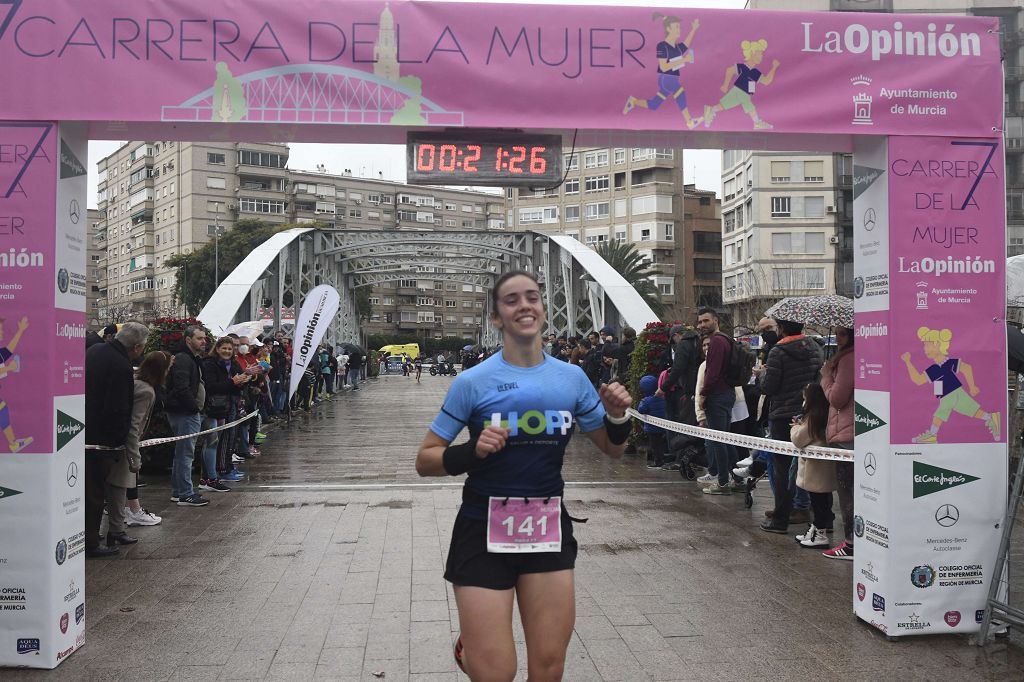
[[43, 229], [931, 401]]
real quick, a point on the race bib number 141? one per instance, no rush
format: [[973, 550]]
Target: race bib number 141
[[517, 525]]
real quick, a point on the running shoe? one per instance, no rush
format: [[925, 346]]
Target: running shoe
[[745, 462], [706, 480], [213, 485], [741, 472], [815, 538], [141, 518], [715, 489], [459, 653], [235, 475], [844, 551], [237, 459], [927, 438], [993, 424], [193, 500]]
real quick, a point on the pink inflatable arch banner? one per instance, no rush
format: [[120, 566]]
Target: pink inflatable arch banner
[[498, 66]]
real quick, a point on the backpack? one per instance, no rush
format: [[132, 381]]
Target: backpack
[[742, 359]]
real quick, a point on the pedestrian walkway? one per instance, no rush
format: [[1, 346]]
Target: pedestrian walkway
[[327, 562]]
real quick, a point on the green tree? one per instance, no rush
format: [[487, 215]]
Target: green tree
[[194, 282], [635, 269]]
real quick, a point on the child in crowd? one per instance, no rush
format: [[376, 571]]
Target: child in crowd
[[816, 476], [653, 405]]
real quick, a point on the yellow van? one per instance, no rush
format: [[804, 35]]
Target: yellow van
[[410, 349]]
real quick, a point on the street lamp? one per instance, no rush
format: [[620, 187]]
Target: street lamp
[[216, 248]]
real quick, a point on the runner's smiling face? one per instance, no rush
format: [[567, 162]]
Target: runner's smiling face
[[520, 308], [673, 32]]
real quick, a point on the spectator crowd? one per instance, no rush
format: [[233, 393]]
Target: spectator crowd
[[204, 385]]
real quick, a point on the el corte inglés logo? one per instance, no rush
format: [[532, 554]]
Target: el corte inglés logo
[[67, 428], [865, 420], [930, 479], [8, 492]]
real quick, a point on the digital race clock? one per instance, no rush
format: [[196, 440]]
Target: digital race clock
[[488, 158]]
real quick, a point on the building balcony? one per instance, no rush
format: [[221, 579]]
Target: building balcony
[[1014, 73]]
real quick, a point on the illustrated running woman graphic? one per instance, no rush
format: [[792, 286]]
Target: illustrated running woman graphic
[[9, 364], [672, 57], [746, 75], [943, 373]]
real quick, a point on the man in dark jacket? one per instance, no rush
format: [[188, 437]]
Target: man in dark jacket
[[109, 394], [682, 361], [183, 405], [793, 363]]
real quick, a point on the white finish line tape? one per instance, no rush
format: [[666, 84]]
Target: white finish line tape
[[751, 442], [171, 439]]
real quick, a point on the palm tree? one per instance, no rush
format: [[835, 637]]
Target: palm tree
[[635, 269]]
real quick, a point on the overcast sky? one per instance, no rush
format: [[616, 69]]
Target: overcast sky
[[367, 160]]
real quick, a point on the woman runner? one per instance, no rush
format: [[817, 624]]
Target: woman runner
[[672, 56], [512, 539], [746, 75]]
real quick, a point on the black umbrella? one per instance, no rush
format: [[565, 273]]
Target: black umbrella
[[353, 349], [1015, 348]]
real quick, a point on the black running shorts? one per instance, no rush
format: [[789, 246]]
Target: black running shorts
[[471, 565]]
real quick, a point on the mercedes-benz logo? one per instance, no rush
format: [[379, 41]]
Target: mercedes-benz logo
[[72, 474], [947, 515], [870, 464], [74, 211], [869, 219]]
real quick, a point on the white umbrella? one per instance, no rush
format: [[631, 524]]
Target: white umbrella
[[1015, 281], [252, 329]]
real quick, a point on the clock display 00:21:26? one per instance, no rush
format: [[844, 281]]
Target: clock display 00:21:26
[[516, 159]]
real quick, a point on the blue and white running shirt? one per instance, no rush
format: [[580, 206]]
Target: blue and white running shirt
[[538, 404]]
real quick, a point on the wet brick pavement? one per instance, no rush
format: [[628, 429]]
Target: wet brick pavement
[[327, 562]]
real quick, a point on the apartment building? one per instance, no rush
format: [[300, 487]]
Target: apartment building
[[158, 199], [94, 241], [635, 196], [787, 228]]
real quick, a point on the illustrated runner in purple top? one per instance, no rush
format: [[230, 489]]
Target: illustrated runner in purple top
[[672, 57], [944, 374], [10, 363], [740, 81]]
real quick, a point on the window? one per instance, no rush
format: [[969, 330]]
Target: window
[[620, 156], [597, 210], [216, 183], [814, 207], [597, 183], [407, 215], [620, 208], [780, 171], [782, 243], [449, 304], [572, 214], [669, 231], [572, 162], [355, 213], [665, 288], [326, 207], [645, 234], [449, 222], [266, 159], [798, 278], [729, 222], [572, 186], [467, 208], [620, 235], [780, 207], [214, 158], [647, 154], [652, 203], [814, 242], [595, 159], [707, 268], [814, 171], [261, 206], [536, 216]]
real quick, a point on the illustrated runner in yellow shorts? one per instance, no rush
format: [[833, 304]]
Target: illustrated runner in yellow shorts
[[10, 363], [942, 373], [746, 76]]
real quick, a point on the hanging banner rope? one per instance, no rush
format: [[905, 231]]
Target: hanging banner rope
[[751, 442], [170, 439]]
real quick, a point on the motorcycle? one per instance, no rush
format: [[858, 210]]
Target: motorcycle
[[444, 369]]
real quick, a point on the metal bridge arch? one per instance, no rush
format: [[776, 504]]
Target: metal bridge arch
[[582, 291]]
